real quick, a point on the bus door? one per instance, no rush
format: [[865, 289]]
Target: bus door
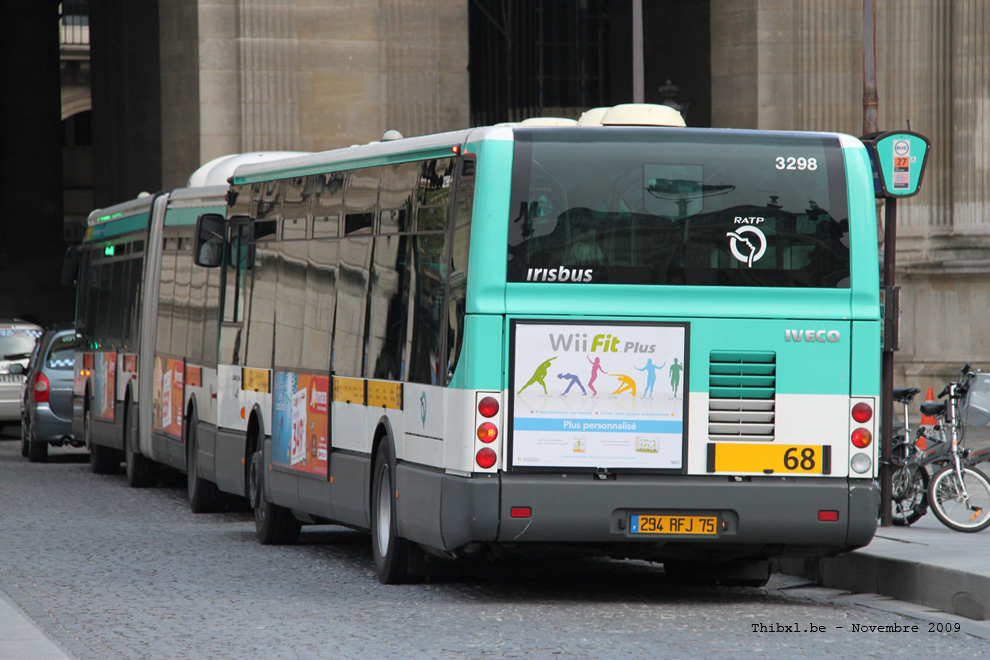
[[236, 287]]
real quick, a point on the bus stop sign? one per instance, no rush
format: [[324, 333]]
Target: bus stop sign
[[899, 159]]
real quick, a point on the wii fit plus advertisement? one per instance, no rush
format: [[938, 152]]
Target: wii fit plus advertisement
[[598, 395]]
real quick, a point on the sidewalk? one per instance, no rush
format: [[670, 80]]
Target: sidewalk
[[926, 564], [20, 639]]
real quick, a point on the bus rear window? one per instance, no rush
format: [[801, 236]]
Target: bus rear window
[[678, 207]]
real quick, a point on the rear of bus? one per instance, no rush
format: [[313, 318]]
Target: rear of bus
[[690, 332]]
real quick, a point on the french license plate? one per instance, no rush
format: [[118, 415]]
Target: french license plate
[[769, 459], [664, 524]]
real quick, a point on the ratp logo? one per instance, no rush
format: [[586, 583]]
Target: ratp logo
[[754, 248], [422, 407]]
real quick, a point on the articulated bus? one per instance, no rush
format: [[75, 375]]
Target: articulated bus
[[142, 308], [613, 337]]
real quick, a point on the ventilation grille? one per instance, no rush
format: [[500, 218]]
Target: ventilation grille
[[742, 386]]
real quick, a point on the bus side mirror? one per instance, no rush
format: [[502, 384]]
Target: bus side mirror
[[70, 265], [209, 240]]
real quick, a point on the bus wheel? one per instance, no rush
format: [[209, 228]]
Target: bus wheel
[[391, 552], [204, 496], [102, 460], [273, 524], [141, 471]]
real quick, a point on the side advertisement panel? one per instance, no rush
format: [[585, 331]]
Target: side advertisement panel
[[106, 385], [167, 395], [299, 432], [599, 395]]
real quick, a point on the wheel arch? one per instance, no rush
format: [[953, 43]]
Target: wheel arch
[[191, 409], [383, 433], [254, 440]]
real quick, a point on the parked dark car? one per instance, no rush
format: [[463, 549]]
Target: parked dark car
[[46, 411]]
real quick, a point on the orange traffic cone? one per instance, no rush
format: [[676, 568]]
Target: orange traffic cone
[[926, 420]]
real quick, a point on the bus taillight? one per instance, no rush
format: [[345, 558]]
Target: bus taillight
[[487, 432], [862, 438], [488, 407], [485, 457], [487, 429], [862, 412]]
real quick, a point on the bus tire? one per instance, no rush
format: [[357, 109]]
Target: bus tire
[[102, 460], [391, 552], [142, 472], [273, 524], [204, 496]]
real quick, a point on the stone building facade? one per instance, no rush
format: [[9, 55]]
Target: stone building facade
[[244, 75], [798, 64], [307, 75]]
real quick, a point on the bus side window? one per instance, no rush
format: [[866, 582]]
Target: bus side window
[[352, 305], [328, 199], [260, 314], [234, 298], [427, 302], [298, 195], [361, 200], [198, 278], [387, 316], [458, 273], [166, 294], [321, 301], [180, 297], [396, 197], [290, 304]]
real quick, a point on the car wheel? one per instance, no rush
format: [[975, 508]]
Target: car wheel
[[25, 436], [38, 452]]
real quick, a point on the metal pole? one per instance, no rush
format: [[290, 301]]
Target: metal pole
[[887, 373], [870, 102], [637, 47]]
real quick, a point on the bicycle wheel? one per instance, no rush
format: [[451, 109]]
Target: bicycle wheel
[[964, 510], [909, 495]]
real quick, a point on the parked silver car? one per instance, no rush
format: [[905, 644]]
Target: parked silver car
[[17, 340], [47, 406]]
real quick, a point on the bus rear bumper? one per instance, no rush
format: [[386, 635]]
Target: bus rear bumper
[[759, 516]]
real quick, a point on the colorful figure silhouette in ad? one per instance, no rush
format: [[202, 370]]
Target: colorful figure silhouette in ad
[[574, 380], [596, 366], [626, 383], [675, 376], [539, 375], [651, 376]]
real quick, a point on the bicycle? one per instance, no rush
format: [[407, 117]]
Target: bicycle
[[909, 481], [959, 494]]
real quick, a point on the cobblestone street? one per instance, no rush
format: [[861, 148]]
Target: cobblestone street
[[112, 572]]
